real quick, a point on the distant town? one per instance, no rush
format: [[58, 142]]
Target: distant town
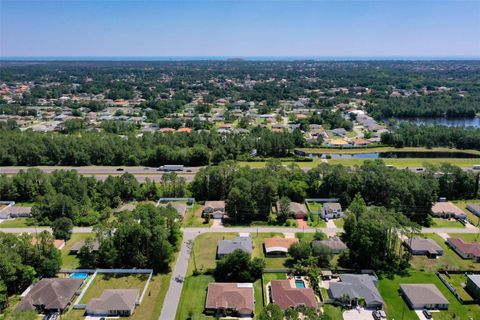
[[268, 190]]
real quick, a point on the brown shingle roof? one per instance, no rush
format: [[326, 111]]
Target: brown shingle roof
[[52, 293], [238, 296], [286, 297], [271, 244], [114, 299]]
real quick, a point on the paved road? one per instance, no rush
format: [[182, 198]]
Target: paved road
[[101, 173]]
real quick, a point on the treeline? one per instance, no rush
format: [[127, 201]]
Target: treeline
[[147, 237], [250, 193], [436, 105], [22, 261], [84, 200], [102, 148], [411, 135]]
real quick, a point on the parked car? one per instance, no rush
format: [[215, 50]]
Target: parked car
[[379, 315], [427, 314]]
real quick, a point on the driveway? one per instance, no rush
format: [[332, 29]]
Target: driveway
[[360, 314], [301, 223], [217, 223]]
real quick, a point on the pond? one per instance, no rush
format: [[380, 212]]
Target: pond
[[449, 122]]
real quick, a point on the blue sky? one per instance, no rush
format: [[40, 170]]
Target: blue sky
[[240, 28]]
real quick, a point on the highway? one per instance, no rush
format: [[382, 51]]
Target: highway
[[101, 173]]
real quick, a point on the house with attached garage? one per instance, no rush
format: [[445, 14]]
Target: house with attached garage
[[228, 246], [278, 247], [216, 209], [423, 247], [354, 288], [331, 210], [298, 210], [474, 208], [423, 296], [447, 210], [230, 299], [464, 249], [473, 285], [114, 302], [285, 295], [335, 244]]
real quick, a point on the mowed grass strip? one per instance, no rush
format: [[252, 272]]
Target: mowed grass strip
[[192, 300], [446, 223]]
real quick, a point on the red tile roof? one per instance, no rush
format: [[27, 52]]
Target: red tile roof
[[286, 297]]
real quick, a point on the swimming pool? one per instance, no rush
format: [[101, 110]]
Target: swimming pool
[[299, 283], [79, 275]]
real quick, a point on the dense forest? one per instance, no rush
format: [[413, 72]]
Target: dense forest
[[101, 148]]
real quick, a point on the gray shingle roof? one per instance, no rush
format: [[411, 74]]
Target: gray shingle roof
[[114, 299], [425, 293], [356, 286], [228, 246]]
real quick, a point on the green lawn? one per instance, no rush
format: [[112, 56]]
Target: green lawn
[[383, 149], [446, 223], [205, 249], [114, 281], [17, 223], [339, 222], [410, 162], [70, 261], [458, 281], [450, 260], [315, 221], [469, 237], [332, 311], [193, 217], [192, 300], [396, 307]]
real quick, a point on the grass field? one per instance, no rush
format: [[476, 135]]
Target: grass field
[[17, 223], [192, 300], [383, 149], [450, 260], [446, 223], [332, 311], [458, 281], [396, 306], [469, 237], [193, 217], [70, 261]]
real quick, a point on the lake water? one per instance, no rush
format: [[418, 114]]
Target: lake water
[[450, 122]]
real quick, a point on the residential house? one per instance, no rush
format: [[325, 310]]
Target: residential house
[[114, 302], [11, 211], [230, 299], [284, 295], [298, 210], [277, 246], [355, 287], [57, 243], [473, 285], [228, 246], [423, 247], [423, 296], [447, 210], [338, 143], [216, 209], [464, 249], [331, 210], [180, 207], [341, 132], [50, 295], [335, 244], [474, 208], [75, 248], [360, 142]]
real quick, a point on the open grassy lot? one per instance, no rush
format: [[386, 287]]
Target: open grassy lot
[[383, 149], [114, 281], [446, 223], [193, 217], [271, 263], [70, 261], [458, 281], [205, 249], [469, 237], [332, 311], [192, 300], [450, 260], [410, 162], [396, 307], [18, 223]]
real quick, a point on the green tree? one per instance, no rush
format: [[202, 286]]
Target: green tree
[[271, 312], [62, 228], [238, 267]]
